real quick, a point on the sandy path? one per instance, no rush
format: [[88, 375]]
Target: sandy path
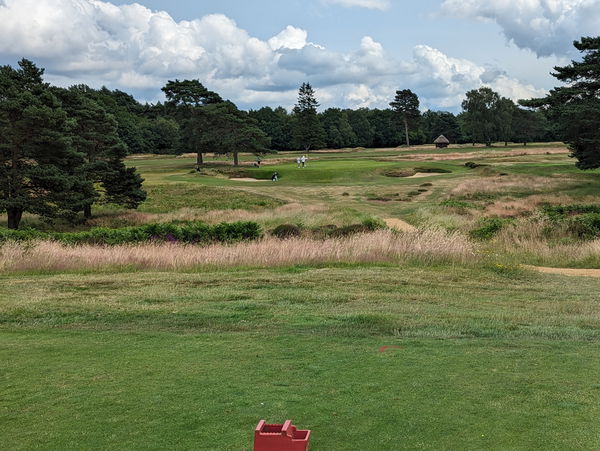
[[565, 271], [399, 224]]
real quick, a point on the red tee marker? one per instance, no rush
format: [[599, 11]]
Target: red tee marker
[[385, 348], [280, 437]]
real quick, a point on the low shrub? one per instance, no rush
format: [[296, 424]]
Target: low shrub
[[586, 226], [561, 211], [473, 165], [373, 224], [452, 203], [193, 232], [433, 170], [488, 227], [285, 231], [348, 230]]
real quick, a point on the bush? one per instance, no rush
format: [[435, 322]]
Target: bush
[[488, 227], [349, 230], [585, 226], [561, 211], [373, 224], [432, 170], [473, 165], [193, 232], [285, 231]]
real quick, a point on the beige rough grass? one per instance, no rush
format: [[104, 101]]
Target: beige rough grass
[[292, 212], [508, 184], [385, 246]]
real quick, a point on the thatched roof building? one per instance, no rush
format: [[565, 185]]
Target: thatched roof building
[[441, 142]]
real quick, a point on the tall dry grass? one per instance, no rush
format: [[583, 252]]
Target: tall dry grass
[[508, 184], [309, 215], [528, 241], [384, 246]]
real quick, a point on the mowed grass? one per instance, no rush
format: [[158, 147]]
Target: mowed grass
[[490, 356], [487, 359], [165, 198]]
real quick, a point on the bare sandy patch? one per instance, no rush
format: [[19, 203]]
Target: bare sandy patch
[[575, 272], [419, 175], [247, 179], [399, 224]]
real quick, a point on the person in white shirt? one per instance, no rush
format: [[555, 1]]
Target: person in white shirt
[[298, 162], [303, 160]]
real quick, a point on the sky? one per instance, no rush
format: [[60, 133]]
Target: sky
[[355, 53]]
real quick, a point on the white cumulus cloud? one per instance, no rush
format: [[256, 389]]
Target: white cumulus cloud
[[132, 48], [370, 4], [547, 27]]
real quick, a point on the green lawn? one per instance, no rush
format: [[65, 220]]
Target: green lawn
[[489, 356], [194, 360]]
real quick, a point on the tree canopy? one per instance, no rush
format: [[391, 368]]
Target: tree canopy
[[575, 107], [308, 131], [406, 105], [40, 171]]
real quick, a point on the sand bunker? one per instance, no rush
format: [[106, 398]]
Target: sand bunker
[[565, 271], [418, 175], [247, 179], [399, 224]]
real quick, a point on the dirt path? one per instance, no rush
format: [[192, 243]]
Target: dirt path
[[565, 271], [399, 224]]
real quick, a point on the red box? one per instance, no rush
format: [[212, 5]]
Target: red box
[[280, 437]]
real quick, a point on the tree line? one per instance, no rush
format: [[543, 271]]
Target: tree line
[[62, 149]]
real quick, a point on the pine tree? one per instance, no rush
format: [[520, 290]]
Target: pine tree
[[406, 105], [186, 102], [575, 108], [95, 135], [40, 172], [308, 131]]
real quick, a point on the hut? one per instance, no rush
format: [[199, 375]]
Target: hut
[[441, 142]]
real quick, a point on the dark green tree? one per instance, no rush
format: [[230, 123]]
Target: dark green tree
[[436, 123], [506, 109], [529, 126], [481, 115], [186, 102], [40, 172], [307, 129], [406, 106], [385, 128], [575, 107], [338, 131], [277, 124], [133, 126], [94, 134], [224, 129], [362, 128]]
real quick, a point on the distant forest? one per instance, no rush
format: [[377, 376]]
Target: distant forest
[[154, 128]]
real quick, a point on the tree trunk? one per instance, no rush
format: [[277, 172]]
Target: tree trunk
[[14, 217], [525, 144], [473, 143], [87, 211], [235, 158], [199, 159], [505, 143], [406, 132]]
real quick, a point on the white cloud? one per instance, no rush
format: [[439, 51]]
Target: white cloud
[[135, 49], [371, 4], [290, 38], [547, 27]]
